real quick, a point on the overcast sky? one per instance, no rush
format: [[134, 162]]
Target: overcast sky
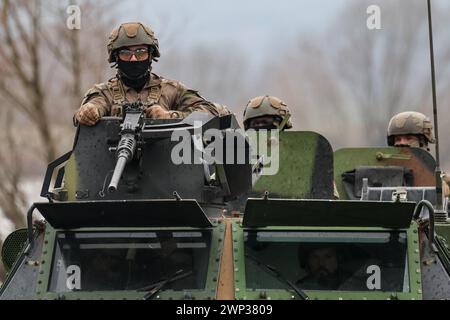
[[253, 25]]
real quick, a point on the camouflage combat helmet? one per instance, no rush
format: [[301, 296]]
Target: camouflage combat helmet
[[410, 123], [131, 34], [267, 106]]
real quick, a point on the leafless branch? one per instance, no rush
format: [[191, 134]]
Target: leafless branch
[[14, 57]]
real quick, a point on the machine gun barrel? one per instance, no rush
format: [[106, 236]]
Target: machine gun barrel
[[126, 148], [125, 153], [118, 170]]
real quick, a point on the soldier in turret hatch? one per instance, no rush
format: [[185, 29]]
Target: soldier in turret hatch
[[267, 112], [410, 129], [415, 130], [270, 113], [132, 47]]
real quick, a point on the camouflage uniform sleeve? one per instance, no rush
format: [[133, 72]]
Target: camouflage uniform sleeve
[[222, 109], [188, 101], [446, 180], [97, 98]]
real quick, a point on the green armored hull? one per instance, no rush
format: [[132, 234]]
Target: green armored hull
[[226, 230]]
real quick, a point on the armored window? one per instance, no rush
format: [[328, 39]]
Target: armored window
[[115, 261], [330, 261]]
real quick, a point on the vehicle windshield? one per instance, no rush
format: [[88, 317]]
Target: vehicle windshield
[[341, 261], [86, 261]]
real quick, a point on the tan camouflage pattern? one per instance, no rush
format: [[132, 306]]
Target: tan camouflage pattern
[[410, 123], [446, 178], [222, 109], [171, 96], [267, 106], [131, 34], [446, 184]]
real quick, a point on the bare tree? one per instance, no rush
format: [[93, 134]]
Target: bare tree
[[76, 51], [45, 69], [64, 44], [12, 197], [218, 76], [40, 54], [380, 70], [304, 79], [21, 58]]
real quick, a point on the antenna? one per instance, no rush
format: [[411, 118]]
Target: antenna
[[441, 213]]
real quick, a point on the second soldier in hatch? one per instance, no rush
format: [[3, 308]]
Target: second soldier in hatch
[[410, 129], [270, 113], [415, 130], [131, 48], [267, 112]]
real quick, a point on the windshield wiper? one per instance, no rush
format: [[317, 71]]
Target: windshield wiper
[[274, 272], [155, 287]]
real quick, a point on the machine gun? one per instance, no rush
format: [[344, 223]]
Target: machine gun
[[133, 119]]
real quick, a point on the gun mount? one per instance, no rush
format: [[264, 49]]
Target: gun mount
[[152, 159]]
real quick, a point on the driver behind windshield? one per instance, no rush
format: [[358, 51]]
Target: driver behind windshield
[[323, 266]]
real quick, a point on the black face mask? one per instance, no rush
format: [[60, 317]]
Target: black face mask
[[134, 74]]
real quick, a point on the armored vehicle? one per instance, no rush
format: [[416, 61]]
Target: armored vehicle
[[136, 211]]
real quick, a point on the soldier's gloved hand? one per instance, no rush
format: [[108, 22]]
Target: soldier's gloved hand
[[157, 112], [88, 114]]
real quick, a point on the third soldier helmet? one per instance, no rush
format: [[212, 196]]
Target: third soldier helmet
[[266, 106], [410, 123], [131, 34]]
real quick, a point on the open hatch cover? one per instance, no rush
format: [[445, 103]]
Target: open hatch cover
[[124, 213], [326, 213]]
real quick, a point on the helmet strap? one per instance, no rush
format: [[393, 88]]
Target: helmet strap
[[284, 122], [424, 143]]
